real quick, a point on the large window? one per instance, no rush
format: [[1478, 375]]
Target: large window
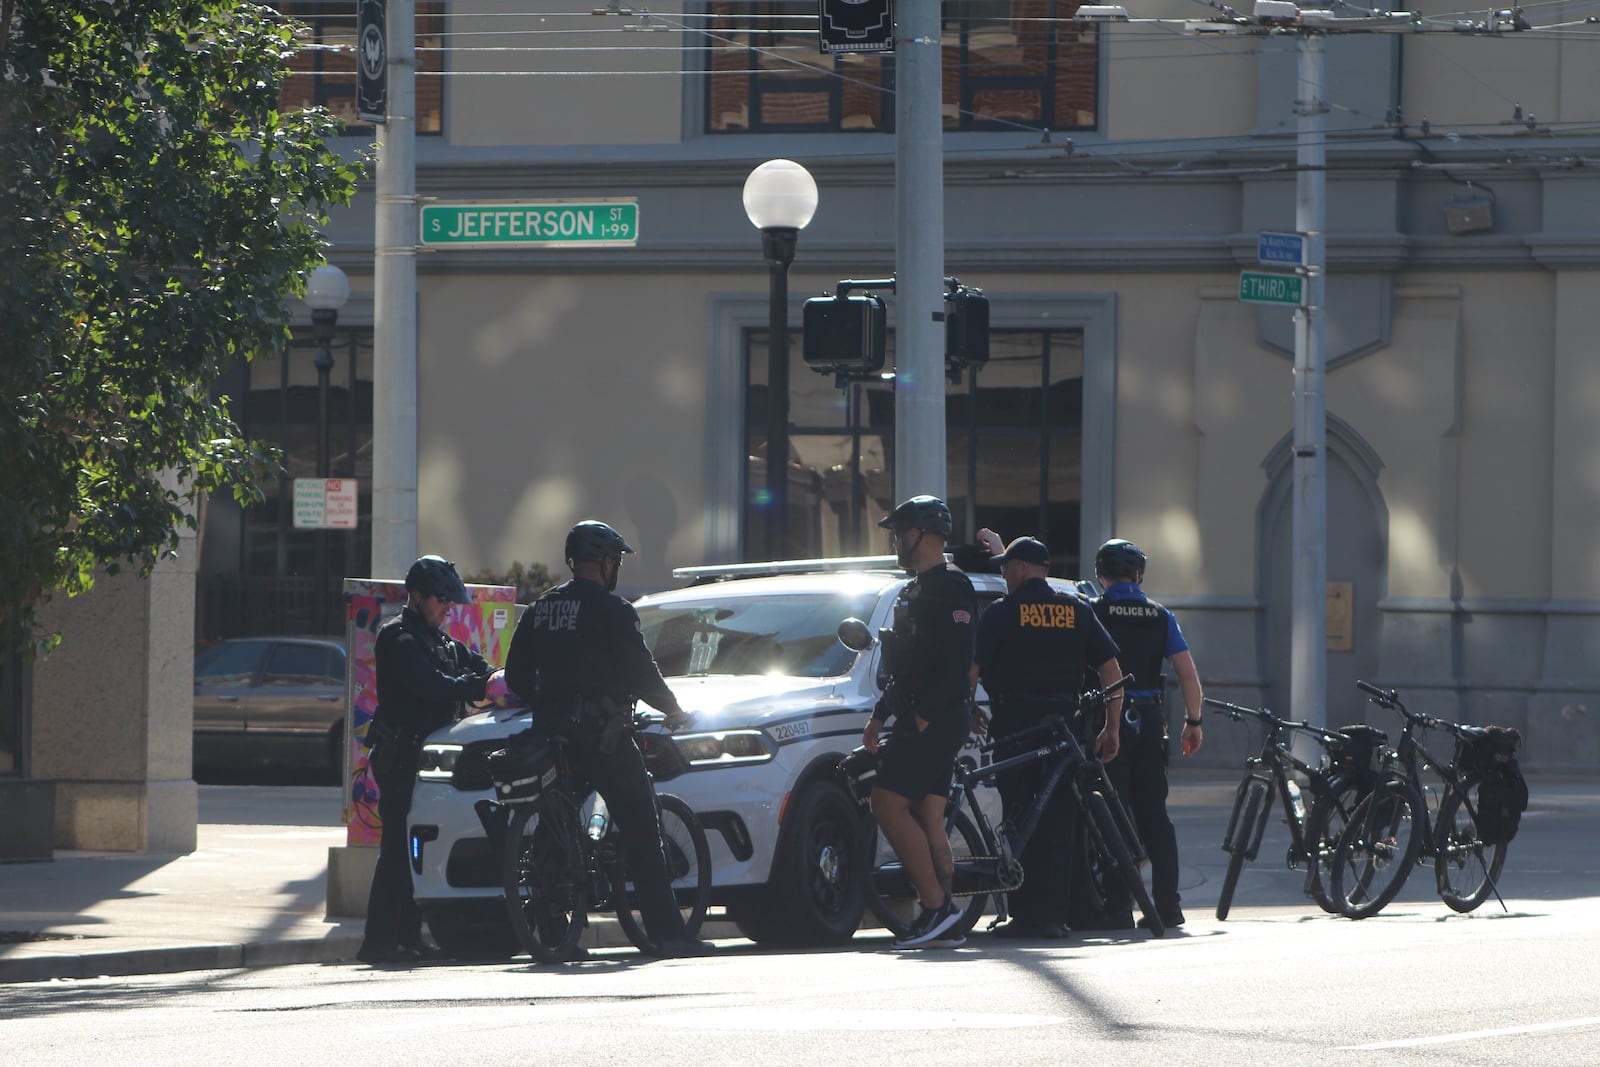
[[1014, 449], [1007, 63], [326, 75]]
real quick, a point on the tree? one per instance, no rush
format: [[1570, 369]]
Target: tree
[[155, 212]]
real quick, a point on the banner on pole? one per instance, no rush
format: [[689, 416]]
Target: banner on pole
[[855, 25], [372, 62]]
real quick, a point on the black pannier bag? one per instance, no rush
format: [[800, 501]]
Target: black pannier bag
[[524, 768], [1357, 752], [1490, 755]]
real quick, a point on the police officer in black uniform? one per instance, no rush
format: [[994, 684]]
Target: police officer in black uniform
[[423, 677], [1032, 650], [579, 660], [928, 652], [1148, 636]]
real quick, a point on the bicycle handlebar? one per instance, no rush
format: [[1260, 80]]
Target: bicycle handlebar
[[1236, 711]]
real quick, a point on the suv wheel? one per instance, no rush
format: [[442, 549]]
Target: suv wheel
[[812, 899]]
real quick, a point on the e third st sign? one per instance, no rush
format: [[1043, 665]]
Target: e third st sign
[[545, 224], [1262, 287]]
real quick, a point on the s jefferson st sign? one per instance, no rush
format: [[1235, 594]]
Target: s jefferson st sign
[[552, 223]]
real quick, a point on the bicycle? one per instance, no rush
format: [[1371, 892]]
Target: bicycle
[[1393, 828], [558, 865], [986, 862], [1348, 775]]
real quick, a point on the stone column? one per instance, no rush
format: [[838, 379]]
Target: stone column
[[113, 711]]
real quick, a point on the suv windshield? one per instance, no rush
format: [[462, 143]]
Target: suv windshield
[[795, 634]]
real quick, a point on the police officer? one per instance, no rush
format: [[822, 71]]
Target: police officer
[[1032, 649], [578, 658], [928, 652], [423, 678], [1148, 636]]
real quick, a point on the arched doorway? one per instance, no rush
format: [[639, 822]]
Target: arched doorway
[[1358, 521]]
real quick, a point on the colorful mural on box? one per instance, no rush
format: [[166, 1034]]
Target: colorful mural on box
[[485, 625]]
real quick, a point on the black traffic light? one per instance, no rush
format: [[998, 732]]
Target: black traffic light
[[966, 328], [846, 335]]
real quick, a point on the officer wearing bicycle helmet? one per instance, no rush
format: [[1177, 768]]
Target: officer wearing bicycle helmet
[[1033, 647], [424, 677], [579, 660], [927, 652], [1149, 637]]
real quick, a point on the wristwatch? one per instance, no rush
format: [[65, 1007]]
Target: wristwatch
[[1192, 722]]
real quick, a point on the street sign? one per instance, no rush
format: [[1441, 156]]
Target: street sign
[[1281, 249], [372, 62], [546, 224], [1259, 287], [325, 503]]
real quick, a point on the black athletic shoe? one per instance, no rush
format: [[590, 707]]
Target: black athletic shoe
[[683, 949], [931, 925], [1169, 919], [387, 957]]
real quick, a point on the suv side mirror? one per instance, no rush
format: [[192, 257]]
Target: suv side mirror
[[854, 635]]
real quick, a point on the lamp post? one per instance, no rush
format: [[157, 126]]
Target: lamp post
[[327, 289], [779, 197]]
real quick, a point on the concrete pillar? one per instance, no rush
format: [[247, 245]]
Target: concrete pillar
[[113, 712]]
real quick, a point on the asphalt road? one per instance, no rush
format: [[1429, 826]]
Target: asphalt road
[[1278, 982]]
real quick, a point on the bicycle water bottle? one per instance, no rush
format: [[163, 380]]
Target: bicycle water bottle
[[597, 821], [1297, 801]]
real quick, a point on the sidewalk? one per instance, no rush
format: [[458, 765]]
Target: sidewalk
[[254, 895]]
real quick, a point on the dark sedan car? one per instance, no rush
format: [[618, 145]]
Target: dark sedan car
[[278, 701]]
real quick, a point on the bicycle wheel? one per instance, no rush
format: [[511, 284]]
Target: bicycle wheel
[[888, 889], [1377, 850], [542, 870], [688, 866], [1115, 846], [1249, 808], [1465, 868], [1325, 824]]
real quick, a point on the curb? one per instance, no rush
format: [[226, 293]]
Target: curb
[[171, 960]]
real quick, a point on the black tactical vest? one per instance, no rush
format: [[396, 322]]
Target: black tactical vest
[[1139, 627]]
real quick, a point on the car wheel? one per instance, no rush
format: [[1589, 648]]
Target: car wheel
[[467, 936], [812, 898]]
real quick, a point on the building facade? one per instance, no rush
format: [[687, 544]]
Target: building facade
[[1104, 186]]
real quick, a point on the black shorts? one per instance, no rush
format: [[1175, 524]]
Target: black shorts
[[918, 763]]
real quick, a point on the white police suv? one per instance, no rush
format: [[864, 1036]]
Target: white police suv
[[753, 650]]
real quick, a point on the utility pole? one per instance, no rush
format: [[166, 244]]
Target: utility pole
[[919, 439], [394, 276], [1308, 658]]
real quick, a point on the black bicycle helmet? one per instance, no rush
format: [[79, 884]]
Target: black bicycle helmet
[[436, 576], [926, 513], [1119, 559], [592, 540]]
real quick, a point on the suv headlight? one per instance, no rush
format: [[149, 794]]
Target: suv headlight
[[438, 762], [726, 748]]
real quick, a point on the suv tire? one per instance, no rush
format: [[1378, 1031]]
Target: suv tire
[[813, 897]]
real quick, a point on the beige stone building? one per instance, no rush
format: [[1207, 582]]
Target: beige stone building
[[1129, 392]]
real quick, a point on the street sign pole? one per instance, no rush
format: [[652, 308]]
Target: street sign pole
[[1308, 660]]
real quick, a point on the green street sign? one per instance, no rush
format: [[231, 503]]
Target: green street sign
[[545, 224], [1261, 287]]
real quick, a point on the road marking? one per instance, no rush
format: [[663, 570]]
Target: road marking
[[850, 1019], [1473, 1035]]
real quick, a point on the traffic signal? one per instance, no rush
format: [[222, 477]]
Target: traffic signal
[[846, 335], [966, 328]]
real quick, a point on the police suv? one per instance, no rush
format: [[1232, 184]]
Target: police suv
[[754, 651]]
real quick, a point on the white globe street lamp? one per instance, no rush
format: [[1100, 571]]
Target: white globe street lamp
[[780, 197]]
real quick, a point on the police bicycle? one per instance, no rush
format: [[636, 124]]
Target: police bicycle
[[986, 859], [1466, 833], [562, 856], [1336, 787]]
